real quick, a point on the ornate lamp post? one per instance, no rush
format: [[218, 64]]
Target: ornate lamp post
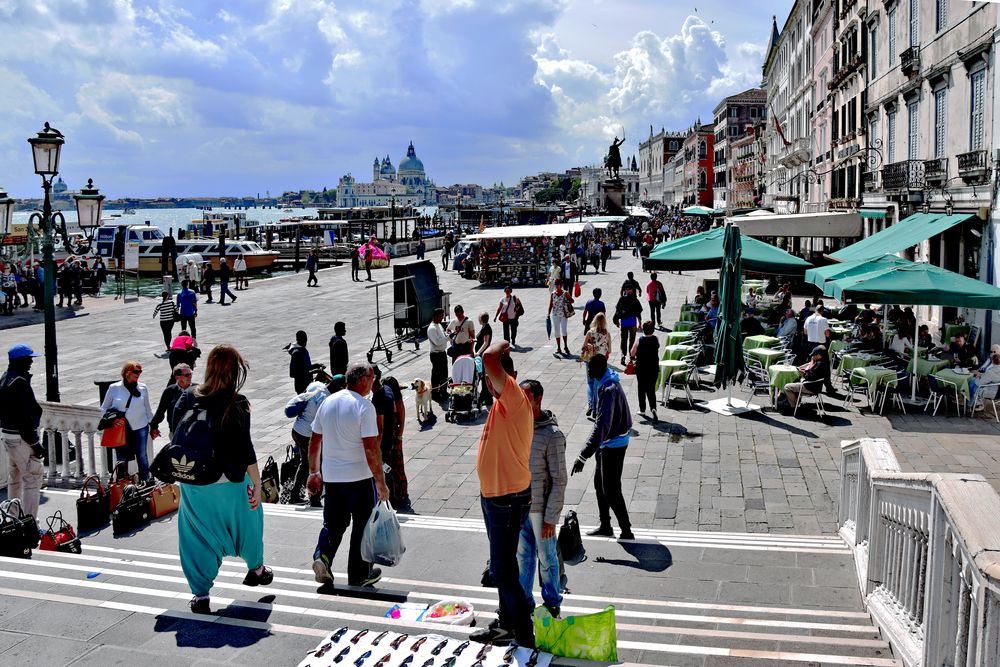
[[6, 214], [45, 149]]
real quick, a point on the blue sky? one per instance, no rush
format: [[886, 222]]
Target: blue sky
[[240, 97]]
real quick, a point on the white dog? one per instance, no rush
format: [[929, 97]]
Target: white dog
[[423, 399]]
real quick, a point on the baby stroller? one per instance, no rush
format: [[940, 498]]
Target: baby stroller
[[463, 389]]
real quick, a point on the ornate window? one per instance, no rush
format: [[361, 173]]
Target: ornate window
[[977, 90]]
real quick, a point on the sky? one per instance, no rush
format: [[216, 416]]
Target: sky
[[159, 98]]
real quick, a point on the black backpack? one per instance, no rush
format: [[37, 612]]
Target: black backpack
[[190, 455]]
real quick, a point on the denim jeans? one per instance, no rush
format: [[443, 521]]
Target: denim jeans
[[504, 517], [528, 552], [139, 441]]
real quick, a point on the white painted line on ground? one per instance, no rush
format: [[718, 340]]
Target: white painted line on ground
[[488, 602], [677, 604], [273, 627]]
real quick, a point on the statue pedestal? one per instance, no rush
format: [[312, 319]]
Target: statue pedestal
[[613, 196]]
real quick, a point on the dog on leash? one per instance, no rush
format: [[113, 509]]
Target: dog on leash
[[425, 410]]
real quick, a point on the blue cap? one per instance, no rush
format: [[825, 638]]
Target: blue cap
[[20, 351]]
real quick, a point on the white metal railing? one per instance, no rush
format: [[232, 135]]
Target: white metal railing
[[929, 545]]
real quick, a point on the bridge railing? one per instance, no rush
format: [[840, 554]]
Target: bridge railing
[[930, 548]]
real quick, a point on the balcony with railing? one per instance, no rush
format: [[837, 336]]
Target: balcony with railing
[[902, 176], [909, 60], [974, 166], [936, 171], [869, 180], [927, 550]]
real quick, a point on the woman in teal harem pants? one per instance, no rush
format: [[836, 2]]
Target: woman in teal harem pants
[[224, 518]]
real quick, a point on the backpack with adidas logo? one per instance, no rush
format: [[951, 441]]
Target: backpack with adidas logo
[[190, 455]]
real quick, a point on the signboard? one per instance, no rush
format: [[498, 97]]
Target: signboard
[[19, 234], [132, 255]]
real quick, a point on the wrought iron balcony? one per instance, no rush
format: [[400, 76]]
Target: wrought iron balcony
[[869, 181], [974, 166], [909, 60], [936, 170], [904, 175]]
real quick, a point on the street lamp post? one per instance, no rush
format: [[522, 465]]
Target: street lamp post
[[45, 149], [6, 214]]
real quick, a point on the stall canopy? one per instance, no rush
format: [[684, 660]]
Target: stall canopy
[[904, 234], [639, 212], [917, 284], [816, 225], [553, 230], [706, 250], [697, 210], [823, 275]]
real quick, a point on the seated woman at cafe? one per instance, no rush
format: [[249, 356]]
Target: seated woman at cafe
[[751, 300], [988, 373], [901, 344]]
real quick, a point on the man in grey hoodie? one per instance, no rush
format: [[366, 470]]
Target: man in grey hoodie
[[548, 488]]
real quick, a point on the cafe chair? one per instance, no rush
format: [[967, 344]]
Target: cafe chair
[[816, 387], [857, 384], [894, 389], [980, 398], [680, 379], [943, 391]]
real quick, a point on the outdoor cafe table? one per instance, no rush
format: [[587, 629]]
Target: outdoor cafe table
[[952, 329], [780, 375], [960, 378], [667, 368], [690, 316], [875, 376], [766, 356], [689, 307], [856, 360], [678, 337], [929, 366], [677, 351], [837, 345], [752, 342], [684, 326]]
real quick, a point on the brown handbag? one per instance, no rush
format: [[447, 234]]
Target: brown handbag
[[117, 486], [114, 435], [164, 499]]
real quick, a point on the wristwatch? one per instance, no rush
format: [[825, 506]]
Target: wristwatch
[[314, 474]]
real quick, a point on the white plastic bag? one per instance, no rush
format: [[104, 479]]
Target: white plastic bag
[[456, 611], [382, 542]]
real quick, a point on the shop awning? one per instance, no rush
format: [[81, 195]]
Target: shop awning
[[873, 213], [906, 233], [814, 225], [552, 230]]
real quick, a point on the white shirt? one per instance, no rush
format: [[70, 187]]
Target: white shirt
[[816, 327], [139, 414], [899, 344], [464, 330], [436, 337], [343, 420], [240, 265]]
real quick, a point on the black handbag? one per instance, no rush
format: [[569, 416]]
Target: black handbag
[[570, 541], [93, 510], [290, 466], [132, 511], [18, 531], [269, 481]]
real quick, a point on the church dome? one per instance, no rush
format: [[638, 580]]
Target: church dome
[[411, 163]]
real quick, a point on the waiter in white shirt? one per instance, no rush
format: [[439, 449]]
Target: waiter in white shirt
[[817, 327]]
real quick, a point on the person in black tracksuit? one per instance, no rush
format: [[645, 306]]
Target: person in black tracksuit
[[300, 366]]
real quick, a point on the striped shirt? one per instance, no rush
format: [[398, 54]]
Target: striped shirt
[[167, 311]]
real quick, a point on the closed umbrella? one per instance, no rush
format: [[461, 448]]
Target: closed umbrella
[[729, 365], [706, 250], [919, 284]]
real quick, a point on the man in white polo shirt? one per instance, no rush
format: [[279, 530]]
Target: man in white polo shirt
[[345, 441], [817, 327]]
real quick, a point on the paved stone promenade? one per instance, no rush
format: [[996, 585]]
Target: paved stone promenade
[[695, 470]]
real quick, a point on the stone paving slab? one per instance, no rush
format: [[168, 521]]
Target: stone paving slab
[[694, 470]]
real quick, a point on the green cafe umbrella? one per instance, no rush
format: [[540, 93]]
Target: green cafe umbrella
[[697, 210], [706, 250], [919, 284], [822, 275]]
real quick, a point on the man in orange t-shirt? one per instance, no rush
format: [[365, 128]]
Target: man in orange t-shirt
[[505, 486]]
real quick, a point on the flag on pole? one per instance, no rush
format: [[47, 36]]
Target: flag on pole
[[777, 126]]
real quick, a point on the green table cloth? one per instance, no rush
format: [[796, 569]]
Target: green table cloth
[[690, 316], [678, 337], [952, 329], [677, 351], [689, 307], [667, 368], [752, 342], [929, 366], [837, 345], [782, 374], [767, 356], [960, 378], [856, 360], [770, 331], [684, 326]]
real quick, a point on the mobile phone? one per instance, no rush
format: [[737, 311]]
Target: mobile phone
[[249, 491]]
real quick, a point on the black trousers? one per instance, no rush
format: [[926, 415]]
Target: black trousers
[[504, 517], [346, 503], [439, 375], [655, 310], [646, 388], [368, 270], [187, 323], [608, 485], [510, 331], [167, 326], [312, 278], [355, 270]]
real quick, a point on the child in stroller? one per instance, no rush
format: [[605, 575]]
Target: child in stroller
[[463, 389]]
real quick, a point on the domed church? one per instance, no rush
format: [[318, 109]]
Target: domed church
[[410, 173]]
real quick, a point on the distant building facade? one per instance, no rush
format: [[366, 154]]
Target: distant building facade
[[654, 153], [733, 117]]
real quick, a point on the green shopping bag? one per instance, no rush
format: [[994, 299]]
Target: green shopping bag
[[587, 637]]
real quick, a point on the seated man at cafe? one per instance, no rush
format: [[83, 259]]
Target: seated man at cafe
[[866, 316], [924, 338], [961, 353], [870, 339], [789, 325], [750, 325], [816, 370]]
